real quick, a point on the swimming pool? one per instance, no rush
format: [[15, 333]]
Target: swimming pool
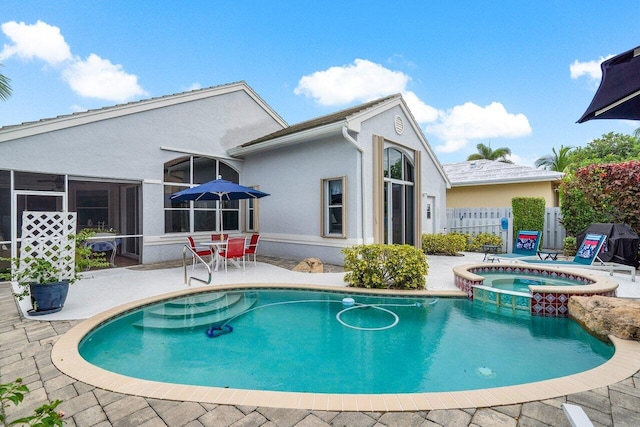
[[308, 341]]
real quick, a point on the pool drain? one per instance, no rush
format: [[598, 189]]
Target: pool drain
[[485, 372]]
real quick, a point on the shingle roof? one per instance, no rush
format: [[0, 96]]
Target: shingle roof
[[139, 102], [478, 172], [321, 121]]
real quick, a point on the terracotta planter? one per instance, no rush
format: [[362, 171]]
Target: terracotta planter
[[48, 298]]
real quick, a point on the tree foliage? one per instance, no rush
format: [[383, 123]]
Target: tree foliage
[[557, 161], [485, 152], [5, 87], [601, 193], [609, 148]]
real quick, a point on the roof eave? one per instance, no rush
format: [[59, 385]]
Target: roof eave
[[503, 181], [287, 140], [91, 116]]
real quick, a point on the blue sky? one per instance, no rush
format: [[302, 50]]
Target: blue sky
[[506, 73]]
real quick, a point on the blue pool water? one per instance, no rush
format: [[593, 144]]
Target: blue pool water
[[521, 282], [306, 341]]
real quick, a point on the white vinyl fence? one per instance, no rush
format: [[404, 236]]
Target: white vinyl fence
[[489, 220]]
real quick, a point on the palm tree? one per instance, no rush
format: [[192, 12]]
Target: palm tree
[[5, 89], [485, 152], [558, 161]]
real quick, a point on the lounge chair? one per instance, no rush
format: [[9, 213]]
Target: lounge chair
[[576, 415], [587, 257], [527, 244]]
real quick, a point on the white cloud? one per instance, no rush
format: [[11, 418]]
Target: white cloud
[[361, 81], [194, 86], [77, 108], [470, 121], [364, 81], [522, 160], [94, 77], [452, 145], [422, 112], [590, 69], [38, 41], [99, 78]]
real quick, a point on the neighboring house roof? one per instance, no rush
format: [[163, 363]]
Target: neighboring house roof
[[484, 172], [341, 122], [76, 119]]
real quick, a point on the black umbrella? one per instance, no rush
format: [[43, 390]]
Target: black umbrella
[[618, 96]]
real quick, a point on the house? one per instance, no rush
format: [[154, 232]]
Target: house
[[492, 184], [362, 175]]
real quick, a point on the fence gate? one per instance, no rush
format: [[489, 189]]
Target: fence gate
[[488, 220]]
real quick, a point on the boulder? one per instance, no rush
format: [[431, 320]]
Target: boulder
[[603, 316], [309, 265]]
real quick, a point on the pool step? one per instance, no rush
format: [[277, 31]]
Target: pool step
[[197, 316], [197, 300], [179, 310]]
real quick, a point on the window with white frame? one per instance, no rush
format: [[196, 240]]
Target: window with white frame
[[251, 213], [189, 217], [333, 209]]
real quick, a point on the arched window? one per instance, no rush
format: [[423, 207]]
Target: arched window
[[399, 199], [189, 217]]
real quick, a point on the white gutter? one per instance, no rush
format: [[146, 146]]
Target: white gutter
[[345, 133], [503, 181], [198, 153]]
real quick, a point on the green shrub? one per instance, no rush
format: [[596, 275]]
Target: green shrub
[[528, 214], [444, 244], [601, 193], [385, 266], [569, 246], [475, 242], [43, 416]]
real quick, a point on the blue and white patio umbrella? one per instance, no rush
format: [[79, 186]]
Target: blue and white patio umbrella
[[218, 189]]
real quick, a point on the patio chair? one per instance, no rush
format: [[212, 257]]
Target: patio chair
[[576, 415], [527, 244], [253, 246], [220, 237], [234, 250], [587, 257], [197, 251]]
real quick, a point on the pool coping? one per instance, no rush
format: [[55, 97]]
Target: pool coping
[[65, 356]]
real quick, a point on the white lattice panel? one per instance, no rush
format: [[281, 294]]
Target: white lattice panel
[[49, 235]]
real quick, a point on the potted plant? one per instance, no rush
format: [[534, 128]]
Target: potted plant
[[45, 283]]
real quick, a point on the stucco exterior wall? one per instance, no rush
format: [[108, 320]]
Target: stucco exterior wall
[[128, 148], [290, 218], [293, 176], [499, 195], [433, 184]]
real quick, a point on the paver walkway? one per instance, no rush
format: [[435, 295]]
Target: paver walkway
[[25, 352]]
